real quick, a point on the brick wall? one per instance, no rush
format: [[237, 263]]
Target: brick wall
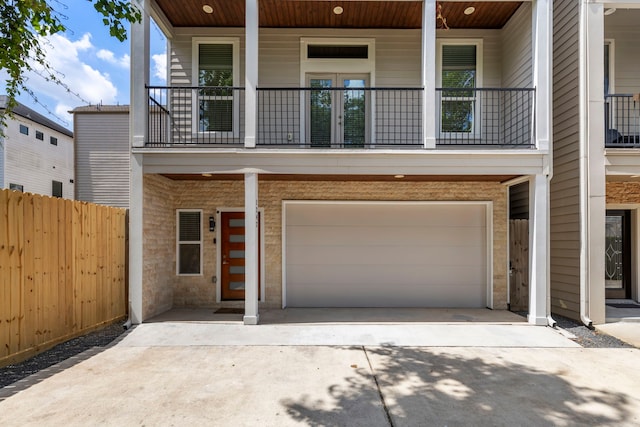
[[212, 195]]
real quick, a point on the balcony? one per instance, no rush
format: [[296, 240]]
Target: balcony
[[622, 121], [355, 116]]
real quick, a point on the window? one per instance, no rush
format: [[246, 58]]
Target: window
[[39, 135], [216, 65], [24, 130], [53, 140], [189, 241], [459, 76], [56, 188], [16, 187]]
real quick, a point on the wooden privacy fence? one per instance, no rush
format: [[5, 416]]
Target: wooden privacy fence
[[519, 264], [62, 271]]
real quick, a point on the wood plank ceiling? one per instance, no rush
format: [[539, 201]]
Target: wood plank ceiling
[[319, 14]]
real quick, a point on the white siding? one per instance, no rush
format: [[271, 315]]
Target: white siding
[[102, 158], [623, 28], [33, 163], [2, 162], [565, 185]]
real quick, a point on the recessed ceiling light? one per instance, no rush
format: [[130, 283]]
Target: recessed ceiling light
[[469, 10], [207, 9], [338, 10], [611, 11], [399, 176], [207, 174], [635, 176]]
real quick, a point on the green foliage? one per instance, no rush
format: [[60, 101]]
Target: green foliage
[[25, 23]]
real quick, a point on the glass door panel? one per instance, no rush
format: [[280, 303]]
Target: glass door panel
[[617, 254], [353, 122], [321, 112]]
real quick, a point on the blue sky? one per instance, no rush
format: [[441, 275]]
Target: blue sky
[[94, 65]]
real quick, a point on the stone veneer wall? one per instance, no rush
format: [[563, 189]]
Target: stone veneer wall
[[623, 192], [159, 245], [212, 195]]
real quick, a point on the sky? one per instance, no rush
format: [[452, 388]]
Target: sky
[[94, 65]]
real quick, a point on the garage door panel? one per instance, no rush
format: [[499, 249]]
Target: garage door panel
[[384, 235], [385, 255], [341, 254]]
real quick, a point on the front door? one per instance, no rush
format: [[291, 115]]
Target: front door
[[232, 254], [338, 112], [617, 254]]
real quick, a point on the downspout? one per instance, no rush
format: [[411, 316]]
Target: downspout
[[583, 97]]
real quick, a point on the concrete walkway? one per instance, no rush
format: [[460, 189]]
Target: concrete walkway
[[174, 373]]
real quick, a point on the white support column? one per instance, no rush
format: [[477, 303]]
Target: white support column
[[429, 73], [592, 164], [251, 242], [542, 38], [138, 119], [539, 277], [251, 74], [140, 53]]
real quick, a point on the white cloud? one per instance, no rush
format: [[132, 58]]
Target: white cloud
[[160, 66], [108, 56], [65, 57]]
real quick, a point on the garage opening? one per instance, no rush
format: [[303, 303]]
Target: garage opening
[[386, 254]]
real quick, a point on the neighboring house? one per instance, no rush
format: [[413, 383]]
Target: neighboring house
[[595, 189], [102, 154], [339, 154], [36, 154]]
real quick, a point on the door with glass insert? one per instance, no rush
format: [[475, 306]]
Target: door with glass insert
[[617, 254], [338, 110], [232, 254]]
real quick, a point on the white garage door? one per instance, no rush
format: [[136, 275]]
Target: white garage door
[[382, 254]]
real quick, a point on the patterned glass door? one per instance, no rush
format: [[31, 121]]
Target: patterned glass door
[[617, 266]]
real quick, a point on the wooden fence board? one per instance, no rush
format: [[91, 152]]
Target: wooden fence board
[[61, 271], [519, 264]]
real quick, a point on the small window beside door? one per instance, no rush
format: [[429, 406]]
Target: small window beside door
[[189, 242]]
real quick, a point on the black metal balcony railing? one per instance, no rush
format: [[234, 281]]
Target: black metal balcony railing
[[485, 117], [622, 121], [353, 117]]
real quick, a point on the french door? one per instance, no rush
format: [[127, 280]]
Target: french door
[[617, 262], [338, 112]]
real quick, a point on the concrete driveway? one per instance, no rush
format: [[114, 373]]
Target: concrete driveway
[[157, 382]]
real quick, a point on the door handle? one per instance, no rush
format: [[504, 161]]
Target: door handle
[[225, 260]]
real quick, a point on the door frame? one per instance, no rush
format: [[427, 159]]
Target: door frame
[[634, 237], [218, 282], [337, 104], [489, 284]]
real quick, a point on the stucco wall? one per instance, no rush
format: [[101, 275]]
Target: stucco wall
[[209, 196]]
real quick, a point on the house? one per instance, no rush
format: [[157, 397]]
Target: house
[[102, 154], [595, 189], [339, 154], [36, 154]]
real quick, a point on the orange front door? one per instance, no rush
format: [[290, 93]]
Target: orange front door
[[232, 249]]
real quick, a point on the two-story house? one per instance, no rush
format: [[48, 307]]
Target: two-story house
[[36, 154], [339, 154], [595, 189]]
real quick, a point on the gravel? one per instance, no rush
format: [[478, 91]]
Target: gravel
[[100, 338], [584, 336]]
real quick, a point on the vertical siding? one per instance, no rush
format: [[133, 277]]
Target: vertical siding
[[623, 28], [33, 163], [102, 158], [565, 185], [517, 49]]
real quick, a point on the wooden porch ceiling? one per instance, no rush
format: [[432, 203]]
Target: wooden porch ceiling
[[319, 14], [377, 178]]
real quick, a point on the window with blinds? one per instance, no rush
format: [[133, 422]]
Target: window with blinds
[[459, 71], [189, 230], [216, 80]]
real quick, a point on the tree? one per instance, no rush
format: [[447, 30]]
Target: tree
[[25, 23]]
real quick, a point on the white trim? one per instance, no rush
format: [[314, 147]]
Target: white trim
[[195, 81], [191, 242], [489, 231], [219, 255], [478, 43]]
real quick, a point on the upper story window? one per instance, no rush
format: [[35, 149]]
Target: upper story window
[[216, 67], [24, 130], [53, 140], [460, 73], [16, 187], [56, 188], [189, 240], [39, 135]]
